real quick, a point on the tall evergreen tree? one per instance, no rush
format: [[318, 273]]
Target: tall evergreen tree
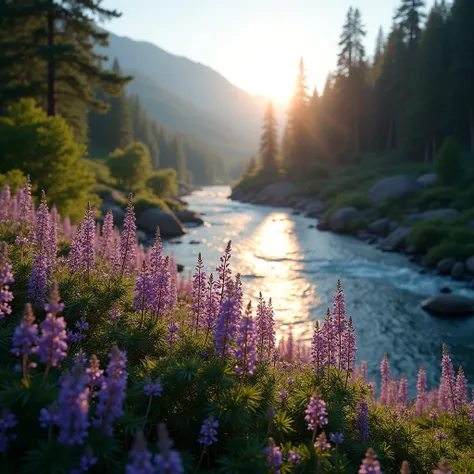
[[409, 16], [269, 141], [179, 159]]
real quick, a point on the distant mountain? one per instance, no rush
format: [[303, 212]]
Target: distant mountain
[[192, 98]]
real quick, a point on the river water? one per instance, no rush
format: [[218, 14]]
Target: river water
[[278, 254]]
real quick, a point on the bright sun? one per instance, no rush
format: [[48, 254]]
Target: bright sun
[[267, 62]]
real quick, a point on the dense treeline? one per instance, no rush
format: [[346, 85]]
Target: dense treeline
[[47, 53], [416, 90]]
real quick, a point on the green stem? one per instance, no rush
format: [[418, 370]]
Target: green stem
[[147, 410], [200, 459]]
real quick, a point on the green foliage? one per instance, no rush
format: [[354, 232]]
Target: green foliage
[[145, 199], [163, 182], [449, 162], [15, 178], [43, 147], [131, 166], [355, 199]]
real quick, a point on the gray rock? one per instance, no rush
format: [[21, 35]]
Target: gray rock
[[180, 267], [142, 237], [394, 225], [187, 215], [445, 290], [340, 220], [322, 225], [457, 271], [117, 212], [194, 242], [314, 209], [379, 227], [169, 225], [363, 235], [445, 265], [393, 187], [237, 194], [443, 214], [427, 179], [396, 240], [275, 193], [470, 265], [449, 305]]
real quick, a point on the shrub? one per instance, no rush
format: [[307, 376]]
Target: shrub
[[449, 249], [163, 182], [44, 148], [436, 197], [14, 178], [145, 199], [449, 162], [101, 172], [131, 166], [353, 198], [426, 235]]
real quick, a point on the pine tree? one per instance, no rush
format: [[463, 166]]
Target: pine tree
[[409, 17], [462, 70], [269, 141], [250, 166], [179, 159]]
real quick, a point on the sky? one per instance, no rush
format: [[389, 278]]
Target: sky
[[255, 44]]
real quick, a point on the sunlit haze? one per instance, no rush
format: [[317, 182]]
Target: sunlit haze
[[254, 44]]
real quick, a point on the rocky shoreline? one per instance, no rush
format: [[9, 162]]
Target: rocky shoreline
[[378, 230]]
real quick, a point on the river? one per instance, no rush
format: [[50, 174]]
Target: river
[[278, 254]]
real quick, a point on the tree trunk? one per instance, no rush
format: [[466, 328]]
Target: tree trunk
[[51, 63], [390, 134], [471, 125]]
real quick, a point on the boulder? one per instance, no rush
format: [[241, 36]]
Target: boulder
[[340, 220], [187, 216], [443, 214], [180, 267], [322, 225], [379, 227], [396, 240], [314, 209], [117, 212], [448, 304], [427, 179], [169, 225], [445, 265], [393, 187], [394, 225], [457, 272], [445, 290], [470, 265], [275, 193], [369, 214], [236, 194]]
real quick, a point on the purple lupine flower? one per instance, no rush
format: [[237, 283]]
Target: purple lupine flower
[[317, 349], [433, 415], [471, 407], [140, 456], [290, 345], [349, 348], [208, 433], [443, 467], [49, 416], [461, 389], [330, 340], [169, 460], [362, 419], [274, 456], [173, 285], [210, 306], [172, 336], [322, 442], [13, 211], [25, 336], [67, 228], [52, 345], [87, 460], [106, 240], [112, 393], [128, 239], [156, 255], [94, 374], [440, 436], [421, 387], [115, 261], [246, 344], [261, 324], [25, 204], [115, 313], [6, 277], [224, 333], [363, 370], [402, 396], [52, 241], [5, 204], [199, 290], [153, 389], [144, 291], [294, 457], [75, 259], [162, 289], [385, 376], [284, 395], [270, 338], [224, 273], [336, 438], [370, 465], [81, 325], [7, 422], [88, 240], [238, 293], [448, 381], [316, 414], [339, 317], [73, 419]]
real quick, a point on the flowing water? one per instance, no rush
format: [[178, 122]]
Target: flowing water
[[278, 254]]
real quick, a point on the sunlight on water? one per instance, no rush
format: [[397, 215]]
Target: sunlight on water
[[273, 241]]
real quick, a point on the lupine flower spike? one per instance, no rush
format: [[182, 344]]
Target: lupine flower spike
[[370, 465], [274, 457], [6, 277], [168, 461]]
